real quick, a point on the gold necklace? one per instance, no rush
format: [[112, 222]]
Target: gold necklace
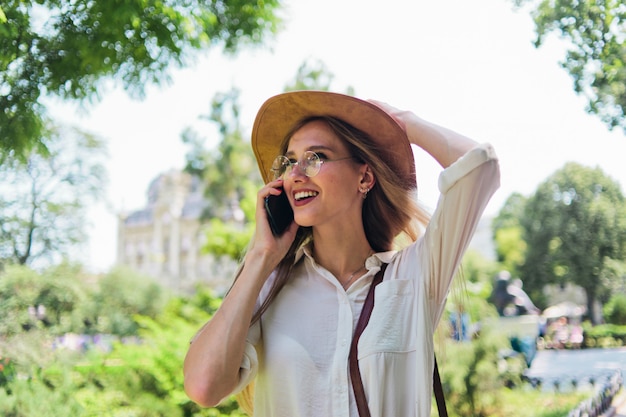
[[349, 281], [347, 284]]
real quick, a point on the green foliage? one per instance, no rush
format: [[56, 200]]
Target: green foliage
[[573, 225], [596, 55], [530, 403], [43, 198], [227, 239], [139, 376], [613, 278], [615, 309], [7, 371], [604, 335], [471, 289], [123, 294], [43, 382], [477, 269], [230, 167], [470, 375], [511, 248], [507, 234], [145, 379], [38, 396], [477, 381], [64, 300], [311, 75], [314, 75], [32, 300], [68, 48], [230, 177]]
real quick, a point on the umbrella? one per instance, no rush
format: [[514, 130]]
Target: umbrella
[[564, 309]]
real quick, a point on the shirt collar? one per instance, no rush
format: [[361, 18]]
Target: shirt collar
[[374, 261]]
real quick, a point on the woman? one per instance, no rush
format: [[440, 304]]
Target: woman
[[288, 320]]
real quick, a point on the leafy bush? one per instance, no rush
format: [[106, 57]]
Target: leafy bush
[[121, 295], [470, 374], [7, 371], [145, 379], [34, 300], [139, 377], [604, 335], [615, 309]]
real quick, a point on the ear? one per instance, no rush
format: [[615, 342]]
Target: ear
[[367, 178]]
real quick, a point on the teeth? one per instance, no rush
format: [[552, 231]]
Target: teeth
[[304, 194]]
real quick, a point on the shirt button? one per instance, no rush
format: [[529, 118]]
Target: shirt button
[[344, 342]]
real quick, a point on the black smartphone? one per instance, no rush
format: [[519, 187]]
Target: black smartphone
[[279, 213]]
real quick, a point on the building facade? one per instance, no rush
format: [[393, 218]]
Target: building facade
[[164, 239]]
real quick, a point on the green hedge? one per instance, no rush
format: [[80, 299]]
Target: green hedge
[[604, 335]]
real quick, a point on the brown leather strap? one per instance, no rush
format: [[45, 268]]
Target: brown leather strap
[[355, 374], [439, 397], [364, 318]]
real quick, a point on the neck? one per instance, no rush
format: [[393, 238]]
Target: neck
[[343, 255]]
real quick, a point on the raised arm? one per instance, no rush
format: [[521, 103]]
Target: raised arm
[[213, 361], [443, 144]]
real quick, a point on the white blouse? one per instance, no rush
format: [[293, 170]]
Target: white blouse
[[298, 351]]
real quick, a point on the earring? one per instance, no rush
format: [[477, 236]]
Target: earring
[[364, 191]]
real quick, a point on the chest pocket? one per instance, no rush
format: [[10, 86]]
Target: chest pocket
[[392, 325]]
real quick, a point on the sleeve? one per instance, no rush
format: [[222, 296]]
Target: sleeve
[[466, 187], [250, 362]]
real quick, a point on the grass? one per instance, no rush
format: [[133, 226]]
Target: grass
[[530, 403], [526, 403]]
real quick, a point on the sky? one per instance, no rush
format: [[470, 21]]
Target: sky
[[470, 66]]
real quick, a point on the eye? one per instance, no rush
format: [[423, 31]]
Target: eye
[[322, 156]]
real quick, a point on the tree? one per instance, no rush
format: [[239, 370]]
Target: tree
[[43, 199], [68, 48], [596, 56], [228, 168], [574, 226], [507, 233], [121, 295], [49, 300], [230, 177], [312, 75]]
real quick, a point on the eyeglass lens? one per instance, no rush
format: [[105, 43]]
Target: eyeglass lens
[[309, 165]]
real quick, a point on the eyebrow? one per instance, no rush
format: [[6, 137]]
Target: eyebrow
[[314, 148]]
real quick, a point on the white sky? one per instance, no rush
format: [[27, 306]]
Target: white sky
[[470, 66]]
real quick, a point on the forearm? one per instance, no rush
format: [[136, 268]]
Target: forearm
[[212, 364], [443, 144]]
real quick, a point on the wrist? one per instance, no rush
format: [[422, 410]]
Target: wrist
[[263, 260]]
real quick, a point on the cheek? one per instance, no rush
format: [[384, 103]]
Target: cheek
[[343, 190]]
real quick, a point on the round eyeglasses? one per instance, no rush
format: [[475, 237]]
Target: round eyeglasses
[[310, 164]]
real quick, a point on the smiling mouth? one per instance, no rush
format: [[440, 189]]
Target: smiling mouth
[[303, 195]]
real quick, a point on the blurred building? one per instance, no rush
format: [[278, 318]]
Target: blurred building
[[164, 239]]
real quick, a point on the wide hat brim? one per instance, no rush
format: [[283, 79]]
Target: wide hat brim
[[280, 113]]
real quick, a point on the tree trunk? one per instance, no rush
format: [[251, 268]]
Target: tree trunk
[[594, 316]]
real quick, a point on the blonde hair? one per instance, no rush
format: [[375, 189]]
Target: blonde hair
[[392, 217]]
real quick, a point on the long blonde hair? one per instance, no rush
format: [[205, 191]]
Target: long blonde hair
[[392, 216]]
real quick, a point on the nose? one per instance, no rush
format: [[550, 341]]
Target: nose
[[296, 172]]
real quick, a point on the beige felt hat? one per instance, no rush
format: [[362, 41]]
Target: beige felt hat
[[280, 113]]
